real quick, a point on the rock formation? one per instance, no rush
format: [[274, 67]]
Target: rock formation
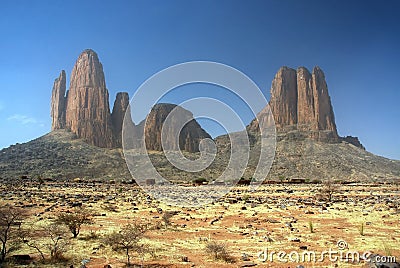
[[305, 100], [58, 102], [323, 107], [120, 107], [300, 101], [353, 140], [85, 112], [283, 101], [88, 112], [189, 137]]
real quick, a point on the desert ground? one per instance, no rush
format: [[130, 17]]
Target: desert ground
[[288, 217]]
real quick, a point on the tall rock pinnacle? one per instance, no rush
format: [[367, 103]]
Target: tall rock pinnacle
[[121, 105], [323, 107], [58, 101], [283, 102], [305, 101], [300, 101], [87, 109]]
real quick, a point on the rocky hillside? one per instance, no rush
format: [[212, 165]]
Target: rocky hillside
[[86, 138], [60, 154]]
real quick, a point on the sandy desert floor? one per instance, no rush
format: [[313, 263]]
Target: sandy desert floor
[[275, 218]]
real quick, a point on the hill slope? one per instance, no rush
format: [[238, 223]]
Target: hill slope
[[60, 154]]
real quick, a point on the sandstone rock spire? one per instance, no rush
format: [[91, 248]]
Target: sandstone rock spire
[[300, 101], [121, 106], [305, 101], [283, 103], [324, 112], [58, 101], [87, 109]]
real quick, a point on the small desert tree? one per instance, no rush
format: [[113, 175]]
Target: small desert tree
[[328, 189], [49, 239], [167, 216], [128, 239], [10, 222], [56, 243], [29, 236], [74, 220]]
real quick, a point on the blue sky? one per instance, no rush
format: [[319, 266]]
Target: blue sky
[[356, 43]]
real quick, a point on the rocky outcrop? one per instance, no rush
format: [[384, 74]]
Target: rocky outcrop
[[310, 105], [88, 112], [58, 100], [353, 140], [283, 101], [121, 106], [305, 101], [189, 137], [85, 112], [322, 102], [300, 102]]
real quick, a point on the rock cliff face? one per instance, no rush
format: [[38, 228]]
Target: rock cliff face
[[284, 97], [305, 100], [58, 101], [88, 112], [300, 101], [84, 110], [121, 105], [190, 135], [323, 108]]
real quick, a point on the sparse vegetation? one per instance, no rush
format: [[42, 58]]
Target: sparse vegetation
[[166, 218], [74, 220], [56, 242], [311, 226], [388, 250], [128, 240], [29, 236], [361, 229], [10, 222], [50, 245], [245, 198], [219, 251], [328, 189]]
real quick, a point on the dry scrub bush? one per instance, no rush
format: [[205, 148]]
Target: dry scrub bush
[[127, 240], [219, 251], [74, 220], [49, 239], [327, 191], [10, 222]]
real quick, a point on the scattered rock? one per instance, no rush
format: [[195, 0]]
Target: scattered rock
[[248, 264]]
